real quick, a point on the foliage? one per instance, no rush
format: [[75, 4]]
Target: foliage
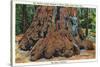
[[30, 9], [87, 16]]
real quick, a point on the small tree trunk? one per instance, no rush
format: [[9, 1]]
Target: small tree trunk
[[86, 32], [24, 19]]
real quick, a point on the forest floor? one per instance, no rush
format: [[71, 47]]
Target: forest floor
[[22, 56]]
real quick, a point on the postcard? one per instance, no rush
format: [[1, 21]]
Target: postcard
[[52, 33]]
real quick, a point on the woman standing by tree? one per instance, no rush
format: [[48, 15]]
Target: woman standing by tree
[[74, 22]]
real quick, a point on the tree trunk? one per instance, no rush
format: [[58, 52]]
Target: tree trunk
[[86, 32], [24, 19]]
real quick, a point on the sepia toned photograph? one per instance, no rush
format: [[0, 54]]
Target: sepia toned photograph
[[46, 33]]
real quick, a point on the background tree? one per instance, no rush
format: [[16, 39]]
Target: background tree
[[87, 19], [24, 15]]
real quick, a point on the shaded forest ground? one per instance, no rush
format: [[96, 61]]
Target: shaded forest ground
[[22, 56]]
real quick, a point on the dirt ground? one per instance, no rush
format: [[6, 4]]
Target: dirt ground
[[22, 56]]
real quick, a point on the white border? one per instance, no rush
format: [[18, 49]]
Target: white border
[[48, 4]]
